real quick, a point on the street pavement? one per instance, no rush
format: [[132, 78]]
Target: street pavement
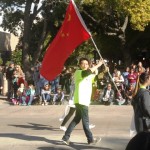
[[37, 128]]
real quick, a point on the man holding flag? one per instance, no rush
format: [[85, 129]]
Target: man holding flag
[[71, 34], [82, 96]]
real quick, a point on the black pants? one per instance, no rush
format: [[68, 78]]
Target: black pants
[[81, 113], [71, 112]]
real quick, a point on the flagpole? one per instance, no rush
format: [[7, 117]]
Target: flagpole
[[76, 9], [106, 66]]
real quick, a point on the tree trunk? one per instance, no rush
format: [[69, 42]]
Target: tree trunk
[[41, 43], [126, 48], [26, 40]]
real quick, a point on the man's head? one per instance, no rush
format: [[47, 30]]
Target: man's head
[[84, 63], [11, 64], [108, 86], [144, 79]]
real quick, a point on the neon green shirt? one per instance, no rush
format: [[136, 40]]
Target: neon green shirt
[[83, 87]]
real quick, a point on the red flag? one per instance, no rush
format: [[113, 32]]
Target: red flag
[[71, 34]]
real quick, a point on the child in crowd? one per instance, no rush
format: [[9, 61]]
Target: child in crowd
[[120, 97], [22, 94], [58, 97], [30, 93], [15, 84], [45, 94], [26, 94]]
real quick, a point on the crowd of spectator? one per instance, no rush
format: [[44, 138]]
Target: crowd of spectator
[[115, 89]]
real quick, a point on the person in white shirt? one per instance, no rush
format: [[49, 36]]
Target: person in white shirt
[[107, 95]]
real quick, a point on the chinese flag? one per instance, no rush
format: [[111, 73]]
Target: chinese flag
[[71, 34]]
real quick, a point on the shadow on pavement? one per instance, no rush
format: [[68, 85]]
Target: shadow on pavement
[[35, 126], [54, 143], [75, 147]]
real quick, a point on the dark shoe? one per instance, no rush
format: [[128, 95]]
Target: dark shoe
[[95, 141], [67, 142]]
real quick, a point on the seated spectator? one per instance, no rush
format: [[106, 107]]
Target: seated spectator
[[45, 94], [139, 142], [26, 94], [107, 95], [31, 93], [120, 96], [22, 94], [129, 94], [58, 97]]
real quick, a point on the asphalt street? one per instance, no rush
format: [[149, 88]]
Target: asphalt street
[[37, 128]]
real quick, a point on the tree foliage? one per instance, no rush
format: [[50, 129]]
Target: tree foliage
[[139, 11], [111, 22]]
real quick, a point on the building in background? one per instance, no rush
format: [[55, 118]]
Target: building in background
[[8, 44]]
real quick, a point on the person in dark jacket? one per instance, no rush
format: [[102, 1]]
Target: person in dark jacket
[[141, 104], [1, 79], [139, 142], [9, 76]]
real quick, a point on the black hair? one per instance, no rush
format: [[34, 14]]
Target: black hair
[[82, 59], [144, 77], [139, 142]]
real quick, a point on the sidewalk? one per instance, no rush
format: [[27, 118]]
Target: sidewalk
[[37, 128]]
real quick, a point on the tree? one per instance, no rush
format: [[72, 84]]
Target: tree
[[118, 18], [26, 15], [110, 21]]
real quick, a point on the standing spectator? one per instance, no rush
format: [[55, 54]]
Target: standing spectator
[[62, 78], [82, 98], [20, 75], [103, 77], [148, 71], [41, 82], [68, 80], [55, 85], [15, 85], [140, 67], [36, 77], [1, 79], [119, 80], [9, 75], [132, 77], [125, 76]]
